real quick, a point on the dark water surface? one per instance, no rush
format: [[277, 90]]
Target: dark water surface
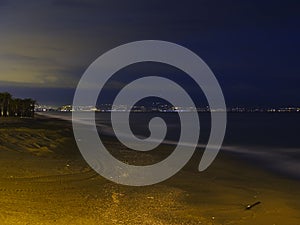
[[270, 140]]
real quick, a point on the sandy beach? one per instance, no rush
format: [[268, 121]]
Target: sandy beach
[[44, 180]]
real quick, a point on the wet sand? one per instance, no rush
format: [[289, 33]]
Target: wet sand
[[44, 180]]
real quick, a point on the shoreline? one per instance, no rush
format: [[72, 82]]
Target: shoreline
[[269, 160], [58, 187]]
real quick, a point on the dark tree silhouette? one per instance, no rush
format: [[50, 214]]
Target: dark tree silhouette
[[15, 107]]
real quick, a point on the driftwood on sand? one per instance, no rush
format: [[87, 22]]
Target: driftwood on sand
[[248, 207]]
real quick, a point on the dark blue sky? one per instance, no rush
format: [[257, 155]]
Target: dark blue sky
[[251, 46]]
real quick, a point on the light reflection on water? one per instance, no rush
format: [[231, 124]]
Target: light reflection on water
[[272, 140]]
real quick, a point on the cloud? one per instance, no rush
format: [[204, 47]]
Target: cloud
[[50, 43]]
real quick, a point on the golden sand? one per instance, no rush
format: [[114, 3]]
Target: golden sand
[[44, 180]]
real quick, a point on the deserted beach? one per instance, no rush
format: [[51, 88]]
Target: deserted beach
[[44, 180]]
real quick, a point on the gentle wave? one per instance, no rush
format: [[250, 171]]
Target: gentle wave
[[279, 160]]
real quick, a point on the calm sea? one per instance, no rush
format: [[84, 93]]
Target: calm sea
[[270, 139]]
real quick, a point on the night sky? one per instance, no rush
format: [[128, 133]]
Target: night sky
[[251, 46]]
